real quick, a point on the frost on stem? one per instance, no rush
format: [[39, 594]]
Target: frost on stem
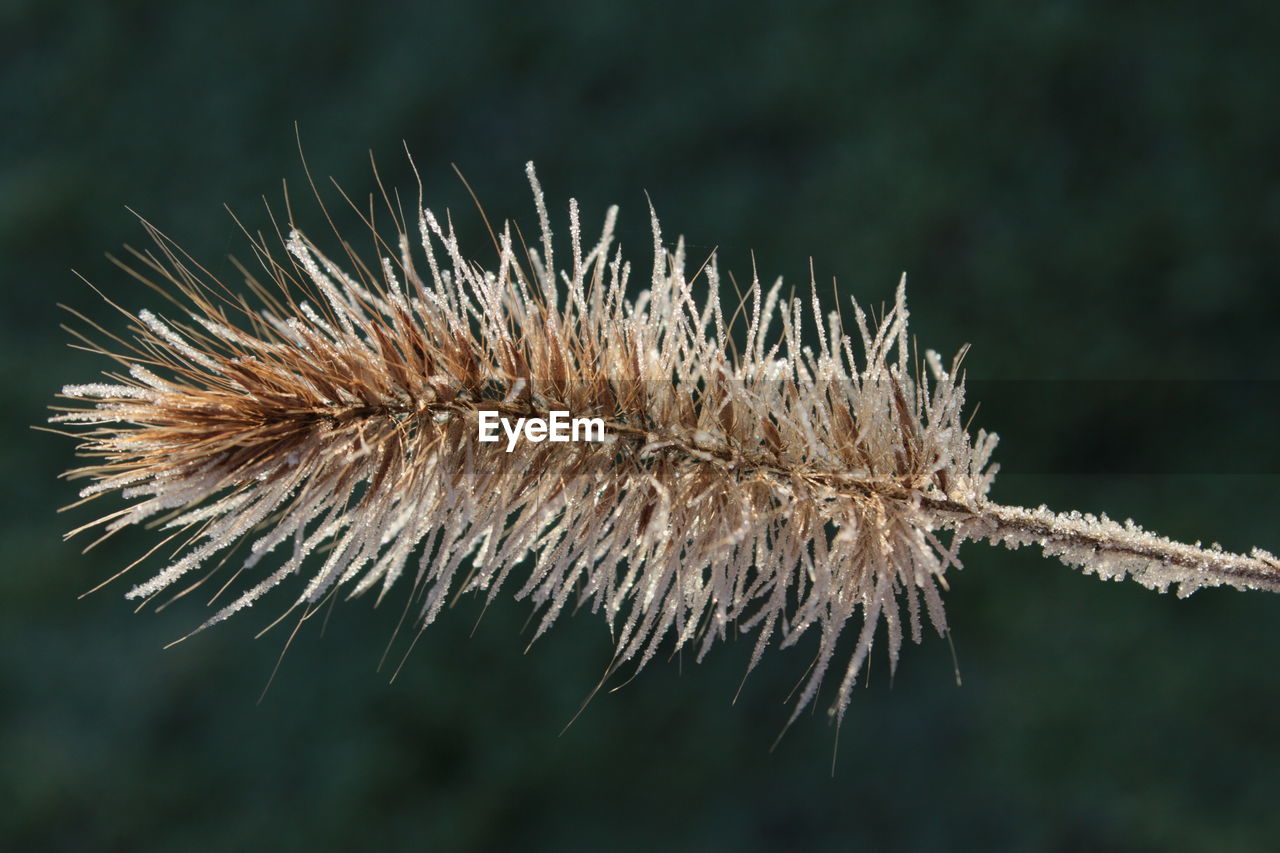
[[753, 483]]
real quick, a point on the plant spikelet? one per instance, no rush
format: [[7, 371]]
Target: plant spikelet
[[755, 478]]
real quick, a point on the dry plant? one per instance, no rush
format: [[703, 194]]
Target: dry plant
[[750, 482]]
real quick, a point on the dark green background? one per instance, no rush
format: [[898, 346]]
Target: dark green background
[[1080, 192]]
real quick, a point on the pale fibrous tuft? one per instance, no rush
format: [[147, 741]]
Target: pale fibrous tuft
[[756, 478]]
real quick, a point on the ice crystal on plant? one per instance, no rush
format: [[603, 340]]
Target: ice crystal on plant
[[751, 484]]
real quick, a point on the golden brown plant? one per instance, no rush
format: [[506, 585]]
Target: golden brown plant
[[757, 485]]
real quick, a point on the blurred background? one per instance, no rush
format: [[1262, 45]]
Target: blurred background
[[1089, 194]]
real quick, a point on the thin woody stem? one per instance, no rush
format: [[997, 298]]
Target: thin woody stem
[[1064, 535]]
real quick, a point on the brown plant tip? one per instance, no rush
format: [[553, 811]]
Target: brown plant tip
[[749, 482]]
